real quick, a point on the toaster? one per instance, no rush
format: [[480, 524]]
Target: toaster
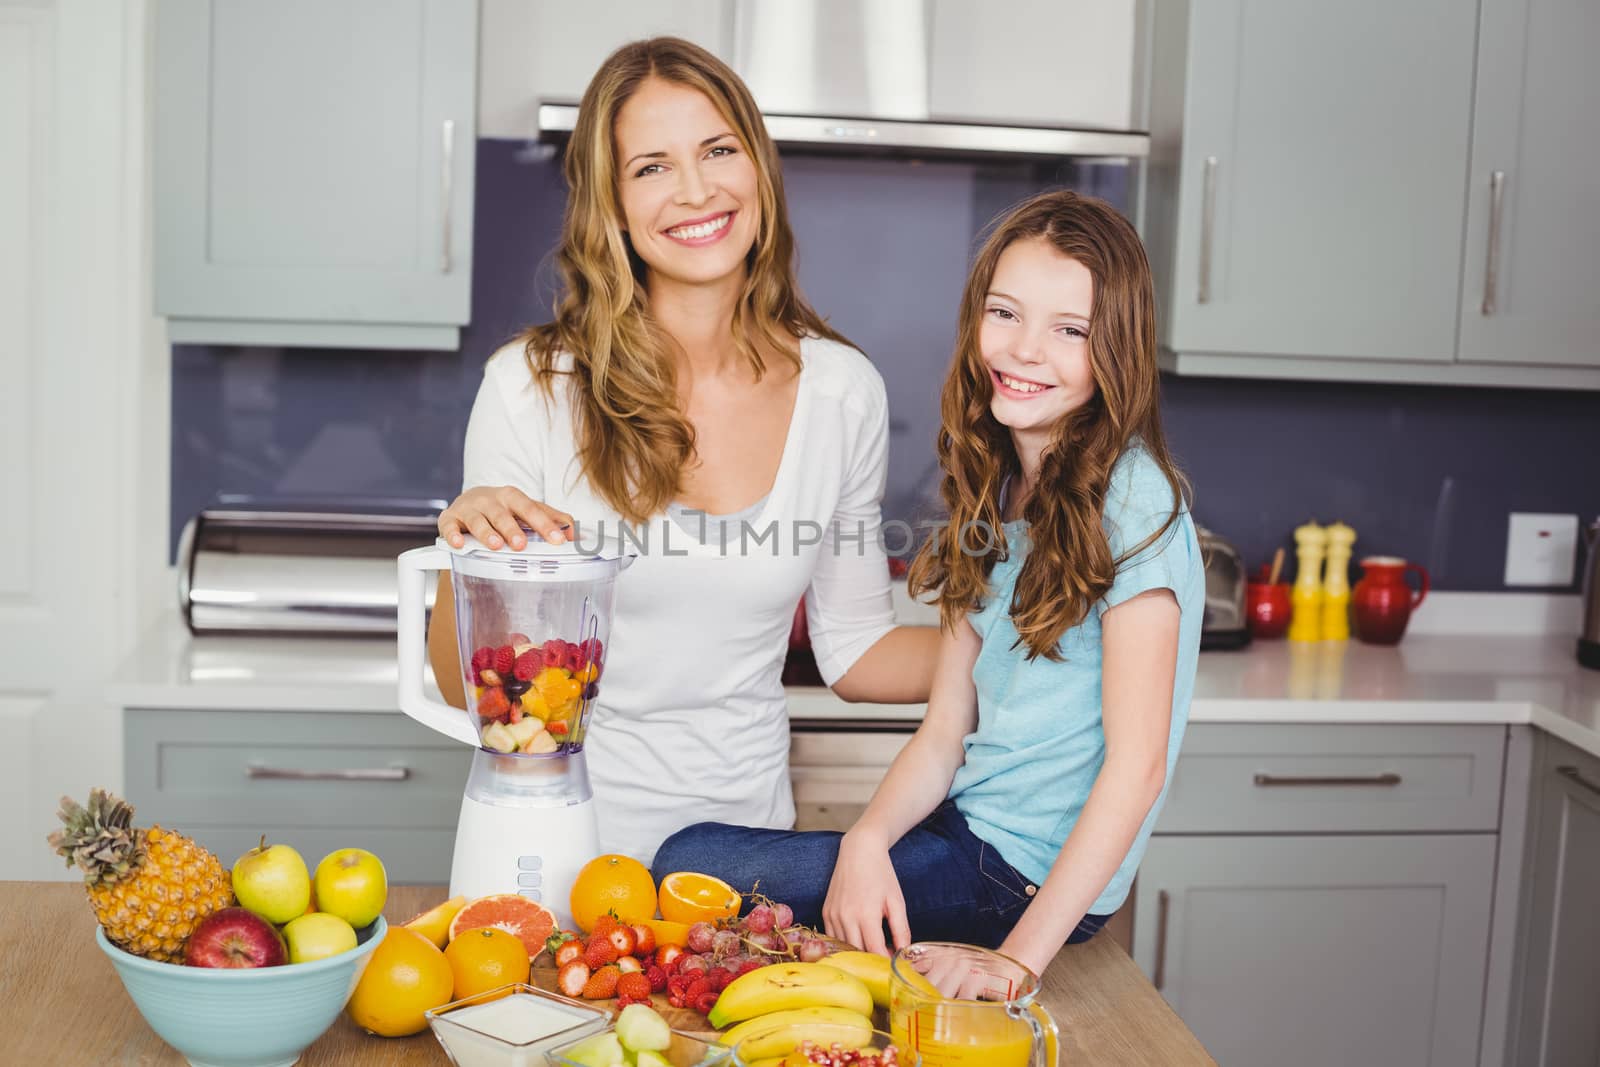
[[1226, 625]]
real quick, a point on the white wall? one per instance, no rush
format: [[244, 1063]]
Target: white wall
[[83, 475]]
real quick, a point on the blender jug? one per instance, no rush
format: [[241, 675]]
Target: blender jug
[[531, 628]]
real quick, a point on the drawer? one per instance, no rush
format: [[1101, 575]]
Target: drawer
[[1245, 778], [197, 769]]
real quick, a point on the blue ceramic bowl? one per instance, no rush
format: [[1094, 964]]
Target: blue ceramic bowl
[[261, 1017]]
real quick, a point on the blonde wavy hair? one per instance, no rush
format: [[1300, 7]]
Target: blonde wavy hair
[[1069, 566], [633, 439]]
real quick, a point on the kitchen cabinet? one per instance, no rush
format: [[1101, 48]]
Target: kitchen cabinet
[[1531, 189], [1316, 200], [314, 169], [1285, 920], [1321, 951], [1554, 1021], [836, 767], [315, 780]]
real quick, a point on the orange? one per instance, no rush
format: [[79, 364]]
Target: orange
[[613, 883], [529, 921], [687, 897], [485, 959], [406, 976], [434, 924]]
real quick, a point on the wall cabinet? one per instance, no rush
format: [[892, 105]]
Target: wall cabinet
[[1317, 202], [1285, 919], [1554, 1022], [314, 171]]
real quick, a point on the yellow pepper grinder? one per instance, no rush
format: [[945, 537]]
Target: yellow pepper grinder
[[1336, 586], [1310, 541]]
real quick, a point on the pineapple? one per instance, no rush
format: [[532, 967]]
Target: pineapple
[[149, 888]]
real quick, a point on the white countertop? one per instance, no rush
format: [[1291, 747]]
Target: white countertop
[[1429, 677]]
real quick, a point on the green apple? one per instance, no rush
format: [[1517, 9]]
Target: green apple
[[601, 1050], [351, 884], [317, 936], [271, 880]]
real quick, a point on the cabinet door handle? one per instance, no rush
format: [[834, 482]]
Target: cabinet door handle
[[1208, 218], [1577, 776], [1388, 778], [447, 189], [1491, 267], [347, 774], [1163, 902]]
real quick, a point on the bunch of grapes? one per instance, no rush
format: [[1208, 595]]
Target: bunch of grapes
[[715, 955]]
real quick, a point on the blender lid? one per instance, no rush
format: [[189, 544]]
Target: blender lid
[[540, 561]]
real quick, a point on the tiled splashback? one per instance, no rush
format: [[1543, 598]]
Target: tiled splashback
[[1425, 473]]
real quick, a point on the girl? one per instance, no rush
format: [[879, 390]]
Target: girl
[[687, 389], [1070, 586]]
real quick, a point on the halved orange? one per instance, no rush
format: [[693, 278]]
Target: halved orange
[[434, 924], [687, 897], [529, 920], [666, 931]]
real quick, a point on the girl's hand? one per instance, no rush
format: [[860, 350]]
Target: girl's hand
[[496, 515], [864, 891]]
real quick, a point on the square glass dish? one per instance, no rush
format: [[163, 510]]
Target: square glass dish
[[512, 1026], [685, 1051]]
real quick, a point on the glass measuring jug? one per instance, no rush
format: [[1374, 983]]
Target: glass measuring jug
[[993, 1021]]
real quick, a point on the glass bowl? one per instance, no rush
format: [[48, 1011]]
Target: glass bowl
[[514, 1025], [686, 1050], [762, 1048]]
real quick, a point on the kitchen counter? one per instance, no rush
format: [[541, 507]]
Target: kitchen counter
[[73, 1009], [1429, 677]]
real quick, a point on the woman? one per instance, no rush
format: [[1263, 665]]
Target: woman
[[1071, 590], [685, 388]]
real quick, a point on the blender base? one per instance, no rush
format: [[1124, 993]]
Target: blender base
[[533, 851]]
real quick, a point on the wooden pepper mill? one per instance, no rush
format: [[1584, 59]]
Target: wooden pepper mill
[[1310, 543], [1336, 585]]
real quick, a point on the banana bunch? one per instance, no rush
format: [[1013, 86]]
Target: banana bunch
[[782, 1005]]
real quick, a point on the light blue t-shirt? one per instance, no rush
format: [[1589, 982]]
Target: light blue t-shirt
[[1040, 740]]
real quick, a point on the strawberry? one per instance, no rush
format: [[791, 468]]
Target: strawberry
[[629, 963], [657, 977], [568, 951], [556, 940], [634, 986], [599, 953], [644, 938], [505, 658], [557, 728], [494, 704], [604, 924], [622, 937], [516, 709], [602, 984], [528, 664], [667, 956], [572, 978]]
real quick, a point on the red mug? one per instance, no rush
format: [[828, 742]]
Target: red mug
[[1268, 608], [1382, 602]]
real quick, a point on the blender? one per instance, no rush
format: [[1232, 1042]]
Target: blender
[[532, 628]]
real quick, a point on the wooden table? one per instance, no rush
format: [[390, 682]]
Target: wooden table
[[61, 1002]]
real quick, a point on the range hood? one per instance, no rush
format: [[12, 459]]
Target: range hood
[[909, 137], [929, 77]]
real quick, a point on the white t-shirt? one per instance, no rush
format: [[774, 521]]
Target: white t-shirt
[[690, 723]]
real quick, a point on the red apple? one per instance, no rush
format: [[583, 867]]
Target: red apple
[[235, 937]]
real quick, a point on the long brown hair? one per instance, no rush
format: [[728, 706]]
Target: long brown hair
[[633, 439], [1069, 566]]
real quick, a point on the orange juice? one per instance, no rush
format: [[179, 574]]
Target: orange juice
[[950, 1035], [978, 1029]]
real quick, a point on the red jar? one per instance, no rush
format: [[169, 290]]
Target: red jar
[[1382, 602], [1267, 604]]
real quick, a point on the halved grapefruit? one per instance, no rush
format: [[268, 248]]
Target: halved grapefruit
[[529, 920]]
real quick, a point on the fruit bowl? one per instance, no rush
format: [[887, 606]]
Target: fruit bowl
[[767, 1048], [686, 1050], [258, 1017]]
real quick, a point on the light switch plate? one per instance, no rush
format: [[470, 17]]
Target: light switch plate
[[1540, 549]]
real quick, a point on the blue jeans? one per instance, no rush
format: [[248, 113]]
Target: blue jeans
[[956, 886]]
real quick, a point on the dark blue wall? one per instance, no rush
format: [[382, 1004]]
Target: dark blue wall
[[1426, 473]]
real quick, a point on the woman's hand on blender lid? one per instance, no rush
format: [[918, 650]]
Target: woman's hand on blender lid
[[497, 516]]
